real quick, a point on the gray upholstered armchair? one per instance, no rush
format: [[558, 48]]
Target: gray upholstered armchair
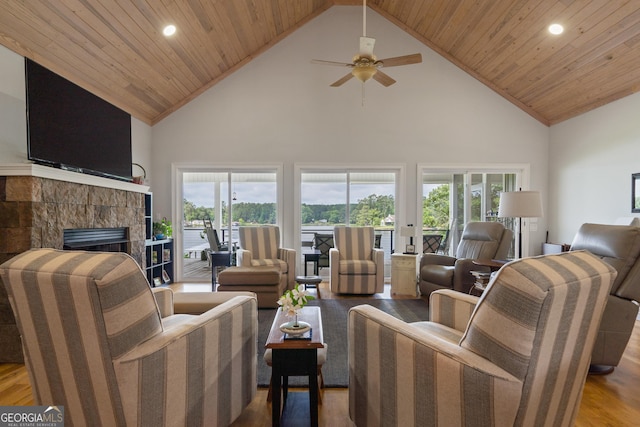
[[260, 247], [356, 265], [479, 361], [97, 342], [480, 240], [618, 245]]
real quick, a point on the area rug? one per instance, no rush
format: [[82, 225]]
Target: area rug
[[334, 325]]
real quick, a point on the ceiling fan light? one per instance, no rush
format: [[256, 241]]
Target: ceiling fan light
[[364, 73]]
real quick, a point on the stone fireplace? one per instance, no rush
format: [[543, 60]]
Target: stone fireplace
[[36, 208]]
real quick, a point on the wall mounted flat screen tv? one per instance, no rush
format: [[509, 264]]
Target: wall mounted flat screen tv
[[71, 128]]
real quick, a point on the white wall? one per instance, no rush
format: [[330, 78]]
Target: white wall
[[592, 158], [13, 122], [280, 108]]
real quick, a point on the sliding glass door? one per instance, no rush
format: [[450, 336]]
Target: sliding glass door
[[450, 199], [348, 197], [223, 199]]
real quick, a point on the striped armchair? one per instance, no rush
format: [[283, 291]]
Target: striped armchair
[[260, 247], [97, 342], [518, 355], [356, 266]]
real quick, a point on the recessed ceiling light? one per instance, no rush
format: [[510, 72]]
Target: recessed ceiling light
[[556, 29], [169, 30]]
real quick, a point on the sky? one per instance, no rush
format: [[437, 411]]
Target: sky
[[201, 194]]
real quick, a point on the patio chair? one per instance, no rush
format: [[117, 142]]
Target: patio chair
[[323, 242], [431, 243]]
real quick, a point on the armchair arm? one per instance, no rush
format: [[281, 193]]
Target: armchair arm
[[462, 278], [289, 256], [437, 259], [399, 374], [334, 264], [164, 299], [451, 308], [200, 302], [243, 258], [206, 360], [378, 259]]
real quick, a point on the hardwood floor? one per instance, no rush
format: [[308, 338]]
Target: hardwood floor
[[608, 400]]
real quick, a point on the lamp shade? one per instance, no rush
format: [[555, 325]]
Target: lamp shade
[[407, 231], [520, 204]]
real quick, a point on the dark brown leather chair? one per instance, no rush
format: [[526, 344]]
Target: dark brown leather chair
[[480, 240], [619, 246]]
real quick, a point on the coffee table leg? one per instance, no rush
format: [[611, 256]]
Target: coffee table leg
[[276, 378], [313, 388], [285, 389]]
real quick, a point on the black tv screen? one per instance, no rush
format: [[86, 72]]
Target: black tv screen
[[71, 128]]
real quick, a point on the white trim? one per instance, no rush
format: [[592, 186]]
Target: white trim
[[40, 171]]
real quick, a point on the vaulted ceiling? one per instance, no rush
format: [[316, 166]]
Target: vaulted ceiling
[[115, 48]]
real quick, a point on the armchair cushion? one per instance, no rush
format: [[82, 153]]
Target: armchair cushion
[[263, 242], [354, 243], [357, 266], [619, 246]]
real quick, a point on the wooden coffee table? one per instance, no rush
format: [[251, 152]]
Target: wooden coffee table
[[295, 357]]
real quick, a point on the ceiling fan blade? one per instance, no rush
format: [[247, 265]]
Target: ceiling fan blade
[[415, 58], [383, 79], [334, 63], [366, 46], [342, 81]]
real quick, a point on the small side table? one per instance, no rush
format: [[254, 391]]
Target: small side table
[[218, 259], [482, 280], [311, 255], [403, 274], [313, 281]]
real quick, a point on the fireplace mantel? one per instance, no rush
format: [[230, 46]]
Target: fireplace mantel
[[30, 169]]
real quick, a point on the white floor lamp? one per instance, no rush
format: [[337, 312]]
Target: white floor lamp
[[520, 204]]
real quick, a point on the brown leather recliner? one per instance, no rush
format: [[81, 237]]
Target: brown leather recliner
[[619, 246], [480, 240]]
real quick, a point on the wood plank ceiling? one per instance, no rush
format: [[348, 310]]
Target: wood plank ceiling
[[115, 49]]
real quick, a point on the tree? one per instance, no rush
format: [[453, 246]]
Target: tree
[[435, 208], [193, 212], [372, 210], [306, 214]]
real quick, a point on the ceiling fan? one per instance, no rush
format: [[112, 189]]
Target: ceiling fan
[[365, 65]]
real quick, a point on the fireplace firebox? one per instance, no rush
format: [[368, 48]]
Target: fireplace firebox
[[97, 239]]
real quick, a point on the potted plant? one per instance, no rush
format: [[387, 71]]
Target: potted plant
[[162, 229]]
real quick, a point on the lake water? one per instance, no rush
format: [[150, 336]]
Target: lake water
[[192, 237]]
